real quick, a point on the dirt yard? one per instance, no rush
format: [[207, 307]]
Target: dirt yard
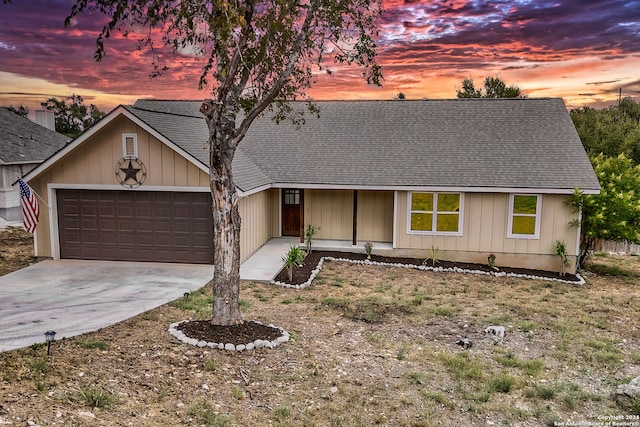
[[370, 346]]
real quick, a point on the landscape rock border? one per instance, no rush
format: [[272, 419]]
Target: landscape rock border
[[315, 272], [178, 334]]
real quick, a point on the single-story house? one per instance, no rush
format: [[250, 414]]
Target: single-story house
[[469, 177], [23, 145]]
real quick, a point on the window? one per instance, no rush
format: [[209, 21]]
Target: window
[[524, 216], [129, 145], [291, 197], [435, 213]]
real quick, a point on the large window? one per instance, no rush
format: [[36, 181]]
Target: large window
[[524, 216], [435, 213]]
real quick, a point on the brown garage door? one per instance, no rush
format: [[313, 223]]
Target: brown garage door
[[135, 226]]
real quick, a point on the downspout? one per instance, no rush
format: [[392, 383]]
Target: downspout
[[354, 238], [578, 239]]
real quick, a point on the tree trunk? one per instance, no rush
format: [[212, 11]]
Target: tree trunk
[[226, 217]]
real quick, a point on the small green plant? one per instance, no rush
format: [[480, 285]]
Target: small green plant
[[417, 378], [502, 383], [281, 412], [560, 250], [309, 233], [293, 258], [93, 344], [238, 393], [95, 397], [368, 247], [211, 365], [39, 366], [491, 261], [432, 254], [205, 413]]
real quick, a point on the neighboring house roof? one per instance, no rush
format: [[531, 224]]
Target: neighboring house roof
[[23, 141], [521, 143]]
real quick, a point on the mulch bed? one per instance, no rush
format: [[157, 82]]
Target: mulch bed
[[244, 333], [302, 274]]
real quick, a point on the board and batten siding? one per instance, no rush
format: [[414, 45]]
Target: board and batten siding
[[375, 216], [256, 213], [485, 219], [93, 163], [332, 212]]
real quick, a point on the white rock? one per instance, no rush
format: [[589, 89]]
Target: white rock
[[229, 346], [201, 344], [240, 347], [86, 414], [250, 346]]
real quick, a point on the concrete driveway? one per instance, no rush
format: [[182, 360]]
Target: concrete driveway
[[74, 297]]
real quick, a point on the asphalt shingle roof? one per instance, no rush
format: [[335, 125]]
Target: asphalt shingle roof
[[23, 141], [457, 143]]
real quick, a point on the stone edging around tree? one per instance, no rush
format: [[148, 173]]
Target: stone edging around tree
[[176, 332], [315, 272]]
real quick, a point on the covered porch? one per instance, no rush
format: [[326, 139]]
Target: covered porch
[[266, 262]]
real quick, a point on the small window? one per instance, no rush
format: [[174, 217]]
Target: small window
[[291, 197], [524, 216], [435, 213], [130, 145]]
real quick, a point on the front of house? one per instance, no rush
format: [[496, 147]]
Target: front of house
[[468, 177]]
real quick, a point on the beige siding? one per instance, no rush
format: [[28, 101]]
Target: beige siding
[[331, 211], [375, 216], [94, 162], [274, 196], [485, 231], [257, 222]]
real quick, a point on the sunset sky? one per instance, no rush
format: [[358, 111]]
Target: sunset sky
[[583, 51]]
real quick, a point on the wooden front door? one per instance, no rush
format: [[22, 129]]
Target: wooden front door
[[291, 204]]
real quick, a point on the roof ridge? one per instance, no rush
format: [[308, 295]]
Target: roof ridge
[[171, 113]]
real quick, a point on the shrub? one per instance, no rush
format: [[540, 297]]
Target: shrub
[[293, 258]]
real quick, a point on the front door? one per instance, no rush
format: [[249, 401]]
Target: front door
[[291, 202]]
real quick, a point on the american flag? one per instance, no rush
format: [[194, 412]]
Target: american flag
[[30, 207]]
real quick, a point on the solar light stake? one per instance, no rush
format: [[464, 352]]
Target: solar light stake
[[186, 295], [49, 336]]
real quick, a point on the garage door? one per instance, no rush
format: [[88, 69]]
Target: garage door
[[135, 226]]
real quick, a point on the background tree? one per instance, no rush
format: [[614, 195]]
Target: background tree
[[72, 117], [611, 131], [494, 87], [21, 110], [614, 214], [255, 54]]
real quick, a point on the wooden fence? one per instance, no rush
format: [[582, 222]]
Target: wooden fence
[[617, 247]]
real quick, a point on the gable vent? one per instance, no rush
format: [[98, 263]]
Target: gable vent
[[130, 145]]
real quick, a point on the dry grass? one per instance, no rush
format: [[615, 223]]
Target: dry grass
[[370, 346]]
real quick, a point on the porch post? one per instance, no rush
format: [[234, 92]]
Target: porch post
[[302, 190], [355, 218]]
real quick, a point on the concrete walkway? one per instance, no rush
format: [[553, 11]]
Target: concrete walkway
[[266, 263]]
